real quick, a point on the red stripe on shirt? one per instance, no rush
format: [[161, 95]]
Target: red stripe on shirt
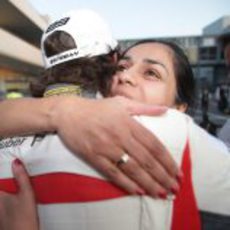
[[185, 210], [66, 187]]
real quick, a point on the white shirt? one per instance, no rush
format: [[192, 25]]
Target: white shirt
[[49, 156]]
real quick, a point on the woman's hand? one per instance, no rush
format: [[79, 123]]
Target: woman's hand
[[18, 212], [101, 131]]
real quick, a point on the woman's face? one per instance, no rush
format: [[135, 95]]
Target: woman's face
[[146, 74]]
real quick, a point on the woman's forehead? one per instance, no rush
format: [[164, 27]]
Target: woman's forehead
[[151, 49]]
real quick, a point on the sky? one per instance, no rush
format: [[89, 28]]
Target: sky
[[145, 18]]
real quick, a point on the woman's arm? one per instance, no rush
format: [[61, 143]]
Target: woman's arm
[[100, 130], [26, 116], [18, 212]]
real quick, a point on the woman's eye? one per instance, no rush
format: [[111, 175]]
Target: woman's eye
[[152, 73]]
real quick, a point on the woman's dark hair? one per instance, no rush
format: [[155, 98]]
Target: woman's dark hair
[[91, 73], [185, 82]]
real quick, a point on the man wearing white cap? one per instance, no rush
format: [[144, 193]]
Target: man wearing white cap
[[91, 42], [70, 39]]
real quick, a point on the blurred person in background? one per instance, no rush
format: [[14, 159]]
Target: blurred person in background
[[14, 94], [205, 99], [206, 123], [224, 133], [223, 99]]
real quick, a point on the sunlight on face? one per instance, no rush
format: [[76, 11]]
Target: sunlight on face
[[146, 74]]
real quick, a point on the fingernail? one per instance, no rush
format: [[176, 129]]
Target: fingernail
[[180, 177], [162, 195], [17, 162], [140, 192], [174, 190]]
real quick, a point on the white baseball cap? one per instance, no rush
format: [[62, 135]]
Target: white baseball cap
[[89, 31]]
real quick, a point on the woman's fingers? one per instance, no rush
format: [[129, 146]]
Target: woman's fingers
[[22, 178], [138, 108], [144, 137], [131, 175], [153, 175], [102, 129], [154, 148], [18, 211], [117, 176]]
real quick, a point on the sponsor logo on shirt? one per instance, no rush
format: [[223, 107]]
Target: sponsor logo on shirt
[[11, 142]]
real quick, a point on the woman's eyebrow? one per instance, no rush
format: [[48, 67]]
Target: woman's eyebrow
[[146, 60], [154, 62], [126, 58]]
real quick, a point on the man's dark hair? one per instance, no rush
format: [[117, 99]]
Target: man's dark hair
[[91, 73]]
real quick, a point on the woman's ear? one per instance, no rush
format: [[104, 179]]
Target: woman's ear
[[182, 107]]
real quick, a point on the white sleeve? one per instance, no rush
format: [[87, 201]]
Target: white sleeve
[[211, 171]]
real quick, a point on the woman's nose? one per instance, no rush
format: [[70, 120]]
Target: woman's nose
[[127, 77]]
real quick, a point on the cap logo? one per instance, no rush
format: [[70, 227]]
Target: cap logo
[[58, 23], [63, 56]]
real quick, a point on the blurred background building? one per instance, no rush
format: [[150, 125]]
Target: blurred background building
[[21, 27], [20, 30]]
